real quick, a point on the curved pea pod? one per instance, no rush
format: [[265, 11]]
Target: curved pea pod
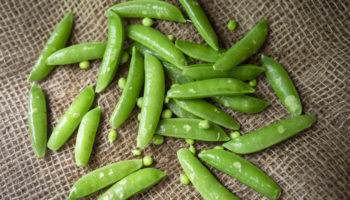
[[113, 51], [131, 91], [243, 49], [242, 103], [178, 111], [157, 42], [71, 118], [37, 120], [206, 184], [143, 50], [270, 135], [242, 170], [207, 111], [282, 85], [199, 51], [57, 40], [209, 88], [175, 74], [103, 177]]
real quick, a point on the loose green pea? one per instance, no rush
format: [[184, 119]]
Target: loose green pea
[[147, 21], [204, 124], [184, 179], [252, 82], [112, 135], [140, 102], [158, 139], [235, 134], [84, 64], [192, 149], [218, 147], [232, 25], [147, 161], [189, 141], [136, 152], [171, 38], [166, 114], [122, 83], [139, 116], [125, 57]]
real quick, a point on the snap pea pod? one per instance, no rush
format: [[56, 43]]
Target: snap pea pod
[[113, 51], [175, 74], [37, 120], [131, 91], [143, 50], [206, 184], [86, 136], [242, 170], [199, 51], [71, 118], [270, 135], [103, 177], [243, 49], [178, 111], [57, 40], [242, 103], [153, 98], [282, 85], [201, 22]]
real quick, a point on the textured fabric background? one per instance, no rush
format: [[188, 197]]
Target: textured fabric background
[[311, 40]]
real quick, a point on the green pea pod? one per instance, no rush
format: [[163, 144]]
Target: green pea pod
[[112, 54], [243, 49], [209, 112], [71, 118], [242, 103], [201, 22], [37, 120], [143, 50], [178, 111], [209, 88], [77, 53], [148, 8], [199, 51], [86, 136], [206, 184], [103, 177], [131, 91], [57, 40], [153, 98], [175, 74], [242, 170], [282, 85], [270, 135]]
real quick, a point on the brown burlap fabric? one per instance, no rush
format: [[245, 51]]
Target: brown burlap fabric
[[311, 40]]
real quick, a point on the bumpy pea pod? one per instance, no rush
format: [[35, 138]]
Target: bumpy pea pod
[[242, 103], [199, 51], [57, 40], [131, 91], [282, 85], [143, 50], [241, 169], [243, 49], [178, 111], [270, 135], [103, 177], [175, 74], [71, 118], [37, 120], [112, 53], [206, 184]]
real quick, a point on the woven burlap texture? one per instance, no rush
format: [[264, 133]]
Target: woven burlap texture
[[310, 39]]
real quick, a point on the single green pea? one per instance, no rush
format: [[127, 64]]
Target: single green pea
[[147, 161], [252, 82], [218, 147], [189, 141], [232, 25], [84, 64], [235, 134], [171, 38], [139, 116], [158, 139], [122, 83], [166, 114], [140, 102], [204, 124], [147, 21], [136, 152], [112, 135], [184, 179], [125, 57], [192, 149]]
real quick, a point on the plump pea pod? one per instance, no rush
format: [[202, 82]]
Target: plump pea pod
[[175, 74], [199, 51], [178, 111], [103, 177], [71, 118], [113, 51], [209, 88], [37, 120], [242, 103], [243, 49], [77, 53], [131, 91], [148, 8], [270, 135], [242, 170], [57, 40], [86, 136], [143, 50], [157, 42], [206, 184], [153, 98], [133, 184], [282, 85], [201, 22]]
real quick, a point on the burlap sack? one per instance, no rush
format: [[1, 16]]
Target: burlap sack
[[311, 40]]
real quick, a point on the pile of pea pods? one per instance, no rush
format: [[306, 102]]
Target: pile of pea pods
[[220, 77]]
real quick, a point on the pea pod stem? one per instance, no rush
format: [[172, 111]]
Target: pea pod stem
[[242, 103], [199, 51]]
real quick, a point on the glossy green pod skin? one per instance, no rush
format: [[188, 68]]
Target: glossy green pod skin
[[242, 103], [205, 110], [37, 120], [57, 40], [148, 8], [202, 179], [199, 51], [175, 74], [244, 48], [86, 136], [178, 111], [201, 22], [127, 100], [153, 98], [103, 177], [282, 85], [242, 170], [270, 135], [143, 50], [113, 51], [188, 128], [71, 118], [77, 53], [157, 42]]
